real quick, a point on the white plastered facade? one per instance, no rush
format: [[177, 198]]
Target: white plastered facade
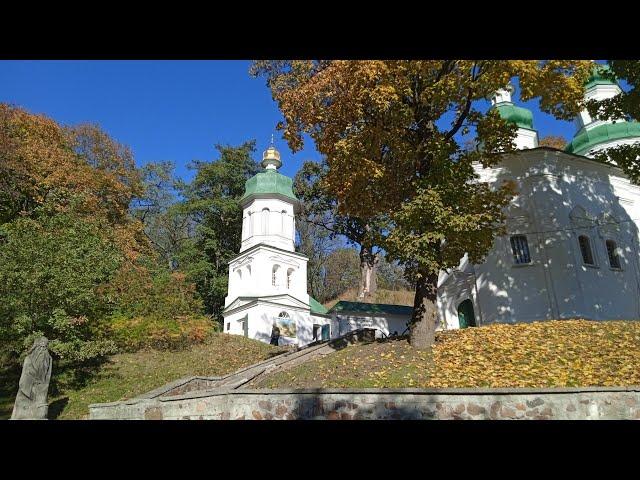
[[561, 198]]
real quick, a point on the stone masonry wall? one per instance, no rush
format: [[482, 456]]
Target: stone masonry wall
[[382, 404]]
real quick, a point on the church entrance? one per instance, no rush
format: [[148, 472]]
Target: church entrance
[[244, 323], [466, 317], [325, 332]]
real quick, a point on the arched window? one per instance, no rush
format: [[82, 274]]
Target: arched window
[[274, 275], [265, 221], [239, 274], [289, 277], [283, 221], [612, 252], [520, 249], [283, 315], [248, 270], [249, 224], [585, 250]]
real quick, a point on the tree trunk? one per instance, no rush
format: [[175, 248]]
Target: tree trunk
[[424, 317], [368, 267]]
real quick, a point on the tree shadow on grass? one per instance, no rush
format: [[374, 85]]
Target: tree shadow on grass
[[56, 407]]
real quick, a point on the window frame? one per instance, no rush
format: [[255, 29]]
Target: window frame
[[594, 263], [618, 267], [512, 250]]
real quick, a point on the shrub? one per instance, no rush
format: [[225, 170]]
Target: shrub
[[135, 333], [155, 308]]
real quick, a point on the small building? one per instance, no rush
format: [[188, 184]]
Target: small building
[[386, 319]]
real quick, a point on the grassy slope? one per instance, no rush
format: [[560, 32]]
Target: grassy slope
[[541, 354], [127, 375], [395, 297]]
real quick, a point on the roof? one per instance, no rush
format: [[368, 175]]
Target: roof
[[269, 182], [585, 140], [361, 307], [522, 117], [316, 307], [600, 75]]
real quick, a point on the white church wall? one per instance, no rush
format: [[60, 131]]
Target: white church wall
[[261, 317], [270, 221], [557, 283], [257, 275], [384, 324]]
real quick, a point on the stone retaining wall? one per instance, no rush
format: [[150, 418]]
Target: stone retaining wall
[[382, 404]]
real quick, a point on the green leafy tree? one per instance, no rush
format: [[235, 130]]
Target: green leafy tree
[[166, 224], [393, 133], [52, 272], [212, 202]]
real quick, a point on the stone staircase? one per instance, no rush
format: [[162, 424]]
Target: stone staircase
[[248, 376]]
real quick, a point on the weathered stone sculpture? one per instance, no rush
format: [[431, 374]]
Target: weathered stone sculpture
[[31, 400]]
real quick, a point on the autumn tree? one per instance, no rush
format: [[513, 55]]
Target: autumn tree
[[554, 141], [392, 133], [71, 247], [320, 208]]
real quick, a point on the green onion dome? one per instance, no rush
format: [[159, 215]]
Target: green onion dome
[[522, 117], [266, 183], [600, 75], [585, 140]]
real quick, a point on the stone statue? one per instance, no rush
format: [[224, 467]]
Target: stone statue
[[31, 400]]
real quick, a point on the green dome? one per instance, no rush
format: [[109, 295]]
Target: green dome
[[600, 75], [269, 182], [585, 140], [522, 117]]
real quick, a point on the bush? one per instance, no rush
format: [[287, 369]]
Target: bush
[[135, 333], [155, 308]]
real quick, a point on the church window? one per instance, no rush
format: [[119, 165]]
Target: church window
[[520, 249], [283, 315], [289, 277], [612, 251], [274, 275], [265, 221], [239, 274], [228, 326], [585, 250]]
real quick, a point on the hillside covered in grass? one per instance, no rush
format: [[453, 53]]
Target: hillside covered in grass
[[541, 354], [128, 375], [394, 297]]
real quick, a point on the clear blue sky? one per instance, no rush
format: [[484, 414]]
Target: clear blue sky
[[169, 110]]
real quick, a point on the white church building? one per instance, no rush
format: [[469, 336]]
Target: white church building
[[572, 245], [268, 279], [572, 248]]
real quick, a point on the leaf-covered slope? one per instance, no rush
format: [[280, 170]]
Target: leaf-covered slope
[[540, 354]]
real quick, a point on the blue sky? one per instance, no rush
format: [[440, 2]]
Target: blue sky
[[169, 110]]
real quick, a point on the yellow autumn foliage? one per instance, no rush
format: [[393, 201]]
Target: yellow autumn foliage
[[558, 353]]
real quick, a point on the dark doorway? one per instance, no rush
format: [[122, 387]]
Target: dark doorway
[[245, 326], [325, 332], [466, 317]]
